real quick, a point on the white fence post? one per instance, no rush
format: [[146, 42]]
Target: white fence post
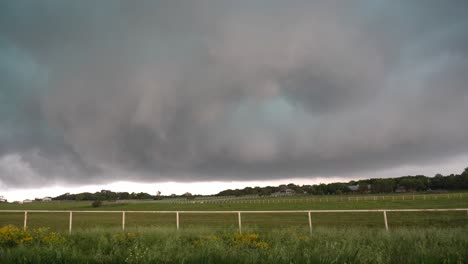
[[385, 219], [310, 223], [240, 222], [177, 220], [70, 222], [25, 220], [123, 220]]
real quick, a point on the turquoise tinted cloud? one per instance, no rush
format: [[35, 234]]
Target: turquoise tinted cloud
[[202, 90]]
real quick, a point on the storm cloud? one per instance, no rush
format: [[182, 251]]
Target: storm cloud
[[228, 90]]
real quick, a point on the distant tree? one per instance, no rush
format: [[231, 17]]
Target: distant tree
[[416, 183], [124, 196], [464, 179], [97, 203], [438, 182], [79, 197], [363, 187], [383, 186]]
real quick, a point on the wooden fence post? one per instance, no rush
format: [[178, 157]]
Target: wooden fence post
[[70, 223], [177, 220], [25, 220], [123, 220], [385, 219], [310, 222], [240, 222]]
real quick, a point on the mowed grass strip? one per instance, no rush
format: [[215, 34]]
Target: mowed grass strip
[[426, 219], [16, 219], [260, 221], [60, 221], [285, 203], [348, 220], [94, 220], [268, 221], [54, 221], [212, 221], [153, 220]]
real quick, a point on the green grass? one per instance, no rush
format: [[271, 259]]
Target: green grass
[[328, 202], [82, 220], [414, 237], [202, 245]]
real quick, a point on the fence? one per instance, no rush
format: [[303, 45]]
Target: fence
[[238, 213], [252, 199]]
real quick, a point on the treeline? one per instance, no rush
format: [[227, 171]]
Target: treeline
[[103, 195], [416, 183], [402, 184]]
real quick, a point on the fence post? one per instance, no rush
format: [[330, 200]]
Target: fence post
[[25, 220], [177, 220], [123, 220], [70, 223], [310, 222], [240, 222], [385, 219]]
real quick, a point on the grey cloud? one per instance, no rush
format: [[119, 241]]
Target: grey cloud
[[202, 90]]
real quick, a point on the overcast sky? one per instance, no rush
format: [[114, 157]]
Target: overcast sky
[[93, 93]]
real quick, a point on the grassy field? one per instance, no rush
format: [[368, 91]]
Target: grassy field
[[414, 237], [59, 221], [149, 245], [327, 202]]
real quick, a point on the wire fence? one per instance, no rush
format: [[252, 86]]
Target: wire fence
[[253, 199]]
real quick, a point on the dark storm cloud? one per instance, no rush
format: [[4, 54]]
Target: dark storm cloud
[[201, 90]]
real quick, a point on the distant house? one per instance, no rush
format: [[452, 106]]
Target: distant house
[[356, 189], [47, 199], [27, 201], [284, 192], [400, 189], [3, 199]]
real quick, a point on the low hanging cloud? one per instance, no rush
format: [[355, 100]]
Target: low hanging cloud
[[217, 90]]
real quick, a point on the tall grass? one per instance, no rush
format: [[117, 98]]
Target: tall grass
[[150, 245]]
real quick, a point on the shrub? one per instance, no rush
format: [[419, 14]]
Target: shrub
[[11, 236], [96, 204]]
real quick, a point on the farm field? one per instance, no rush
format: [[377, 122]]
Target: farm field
[[83, 220]]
